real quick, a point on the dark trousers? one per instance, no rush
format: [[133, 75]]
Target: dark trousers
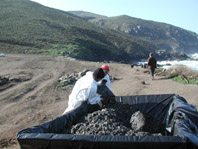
[[152, 71]]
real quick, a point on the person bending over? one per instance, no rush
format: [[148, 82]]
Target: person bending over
[[85, 89]]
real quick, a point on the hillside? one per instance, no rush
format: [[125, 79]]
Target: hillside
[[164, 36], [28, 27]]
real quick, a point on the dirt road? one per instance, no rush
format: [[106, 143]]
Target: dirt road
[[32, 97]]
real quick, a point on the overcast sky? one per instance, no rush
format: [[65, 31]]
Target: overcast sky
[[180, 13]]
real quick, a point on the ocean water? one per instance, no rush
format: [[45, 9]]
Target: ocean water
[[192, 64], [194, 56]]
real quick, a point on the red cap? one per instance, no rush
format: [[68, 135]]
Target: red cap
[[105, 67]]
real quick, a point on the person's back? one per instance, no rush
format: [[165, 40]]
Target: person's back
[[82, 83], [85, 90], [79, 92], [151, 64]]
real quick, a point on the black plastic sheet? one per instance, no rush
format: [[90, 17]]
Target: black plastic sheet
[[179, 118], [106, 94], [183, 120]]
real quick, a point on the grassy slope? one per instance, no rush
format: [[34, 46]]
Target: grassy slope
[[28, 26]]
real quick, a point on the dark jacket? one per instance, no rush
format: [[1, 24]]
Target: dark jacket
[[152, 62]]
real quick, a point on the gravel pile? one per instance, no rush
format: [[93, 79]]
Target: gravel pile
[[117, 120], [4, 80], [73, 77]]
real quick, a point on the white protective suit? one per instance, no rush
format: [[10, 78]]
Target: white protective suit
[[106, 77], [84, 89]]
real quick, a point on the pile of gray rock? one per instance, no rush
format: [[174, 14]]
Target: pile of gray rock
[[69, 79], [72, 78], [117, 120], [4, 80]]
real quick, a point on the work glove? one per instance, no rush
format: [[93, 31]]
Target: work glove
[[105, 100], [93, 107], [100, 103], [104, 81]]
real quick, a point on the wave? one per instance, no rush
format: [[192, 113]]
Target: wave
[[192, 64], [195, 56]]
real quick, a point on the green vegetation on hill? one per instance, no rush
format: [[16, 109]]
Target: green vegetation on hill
[[28, 27], [163, 36]]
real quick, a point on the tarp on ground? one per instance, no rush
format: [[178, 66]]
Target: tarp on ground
[[179, 118]]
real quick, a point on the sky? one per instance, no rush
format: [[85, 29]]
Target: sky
[[180, 13]]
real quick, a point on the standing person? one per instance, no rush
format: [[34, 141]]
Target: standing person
[[106, 79], [152, 65], [104, 88], [85, 89]]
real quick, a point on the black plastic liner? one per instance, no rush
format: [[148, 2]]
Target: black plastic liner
[[179, 118]]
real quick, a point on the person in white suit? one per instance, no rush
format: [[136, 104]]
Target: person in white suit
[[85, 89]]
